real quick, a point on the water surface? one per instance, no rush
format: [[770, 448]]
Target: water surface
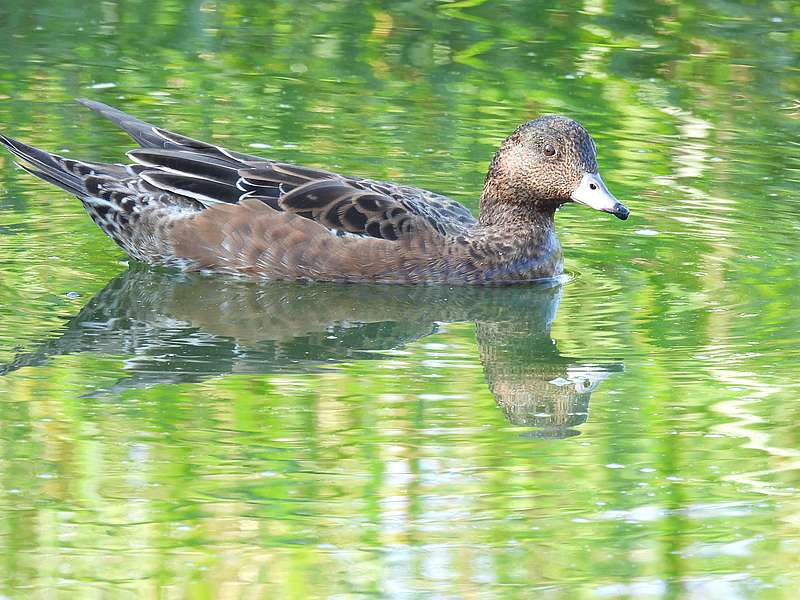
[[629, 434]]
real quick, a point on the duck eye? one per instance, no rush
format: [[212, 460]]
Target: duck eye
[[549, 150]]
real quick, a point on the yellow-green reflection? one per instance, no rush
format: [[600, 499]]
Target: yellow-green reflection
[[177, 437]]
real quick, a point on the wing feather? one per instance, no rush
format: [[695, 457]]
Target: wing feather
[[212, 175], [203, 190]]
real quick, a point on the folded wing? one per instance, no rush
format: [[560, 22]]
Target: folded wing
[[211, 175]]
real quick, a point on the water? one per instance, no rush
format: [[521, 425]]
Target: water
[[629, 434]]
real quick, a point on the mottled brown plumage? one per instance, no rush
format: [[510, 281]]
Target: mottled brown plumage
[[196, 206]]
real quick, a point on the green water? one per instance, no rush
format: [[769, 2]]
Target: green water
[[632, 434]]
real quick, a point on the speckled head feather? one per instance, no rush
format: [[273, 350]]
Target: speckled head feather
[[540, 165], [197, 206]]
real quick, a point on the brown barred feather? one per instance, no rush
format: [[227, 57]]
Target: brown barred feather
[[197, 206]]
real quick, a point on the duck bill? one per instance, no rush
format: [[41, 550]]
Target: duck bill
[[593, 193]]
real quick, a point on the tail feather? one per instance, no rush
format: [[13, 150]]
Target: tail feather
[[63, 172], [51, 179], [121, 200]]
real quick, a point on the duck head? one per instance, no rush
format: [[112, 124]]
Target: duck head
[[545, 163]]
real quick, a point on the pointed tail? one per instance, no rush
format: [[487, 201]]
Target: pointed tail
[[63, 172]]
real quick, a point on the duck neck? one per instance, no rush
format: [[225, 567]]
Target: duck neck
[[521, 237], [519, 216], [505, 203]]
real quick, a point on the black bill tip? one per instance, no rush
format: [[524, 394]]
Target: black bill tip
[[620, 211]]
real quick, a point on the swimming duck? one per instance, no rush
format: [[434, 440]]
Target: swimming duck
[[199, 207]]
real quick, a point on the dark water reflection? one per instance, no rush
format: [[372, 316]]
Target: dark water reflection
[[181, 328]]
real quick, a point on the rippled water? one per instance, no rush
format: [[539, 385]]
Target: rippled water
[[630, 433]]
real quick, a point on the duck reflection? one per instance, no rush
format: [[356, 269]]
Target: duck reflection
[[181, 328]]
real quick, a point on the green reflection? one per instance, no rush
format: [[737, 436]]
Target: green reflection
[[181, 328], [165, 448]]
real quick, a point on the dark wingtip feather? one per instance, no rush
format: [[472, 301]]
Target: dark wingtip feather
[[142, 132], [150, 136], [189, 163], [86, 102], [205, 191], [109, 112], [104, 109]]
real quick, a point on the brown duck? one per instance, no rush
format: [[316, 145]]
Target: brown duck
[[199, 207]]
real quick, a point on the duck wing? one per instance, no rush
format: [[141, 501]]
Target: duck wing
[[354, 206], [344, 205]]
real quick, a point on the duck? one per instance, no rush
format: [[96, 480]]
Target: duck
[[195, 206]]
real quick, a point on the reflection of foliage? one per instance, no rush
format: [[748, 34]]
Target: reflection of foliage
[[425, 89], [690, 103]]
